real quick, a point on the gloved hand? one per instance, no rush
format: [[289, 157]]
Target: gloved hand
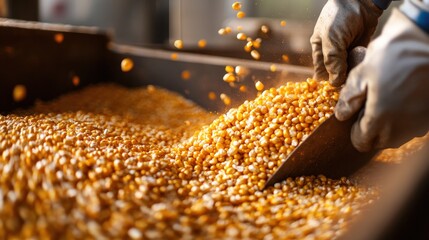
[[392, 84], [342, 25]]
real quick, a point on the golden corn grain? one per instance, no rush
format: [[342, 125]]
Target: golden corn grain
[[229, 69], [75, 80], [174, 56], [241, 36], [59, 38], [265, 29], [212, 96], [255, 54], [229, 77], [236, 6], [241, 14], [110, 162], [186, 75], [19, 93], [178, 44], [259, 86], [202, 43], [285, 58], [127, 64]]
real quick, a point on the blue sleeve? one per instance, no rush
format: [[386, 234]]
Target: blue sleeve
[[382, 4], [418, 12]]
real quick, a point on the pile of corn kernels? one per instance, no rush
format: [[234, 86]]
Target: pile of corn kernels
[[110, 162]]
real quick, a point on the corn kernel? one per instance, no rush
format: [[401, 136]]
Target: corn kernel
[[241, 71], [259, 86], [241, 36], [225, 98], [19, 93], [178, 44], [265, 29], [229, 77], [59, 38], [255, 54], [229, 69], [236, 6], [75, 80], [127, 64], [186, 75], [241, 14], [285, 58], [174, 56], [243, 88], [212, 96], [202, 43]]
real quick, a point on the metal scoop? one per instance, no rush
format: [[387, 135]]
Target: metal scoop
[[328, 149]]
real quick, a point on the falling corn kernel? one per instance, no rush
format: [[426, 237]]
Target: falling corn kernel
[[229, 69], [283, 23], [151, 88], [273, 68], [178, 44], [19, 93], [257, 43], [174, 56], [243, 88], [255, 54], [225, 99], [202, 43], [239, 28], [241, 71], [221, 31], [76, 80], [241, 14], [127, 64], [241, 36], [247, 47], [228, 30], [236, 6], [212, 96], [186, 75], [59, 38], [229, 77], [285, 58], [259, 86], [264, 29]]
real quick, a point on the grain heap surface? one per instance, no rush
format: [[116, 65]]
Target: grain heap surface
[[109, 162]]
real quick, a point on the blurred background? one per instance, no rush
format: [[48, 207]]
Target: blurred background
[[158, 23]]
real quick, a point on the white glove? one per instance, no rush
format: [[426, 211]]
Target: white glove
[[392, 85], [342, 25]]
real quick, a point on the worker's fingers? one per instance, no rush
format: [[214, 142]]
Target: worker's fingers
[[320, 72], [364, 133], [335, 60], [352, 96]]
